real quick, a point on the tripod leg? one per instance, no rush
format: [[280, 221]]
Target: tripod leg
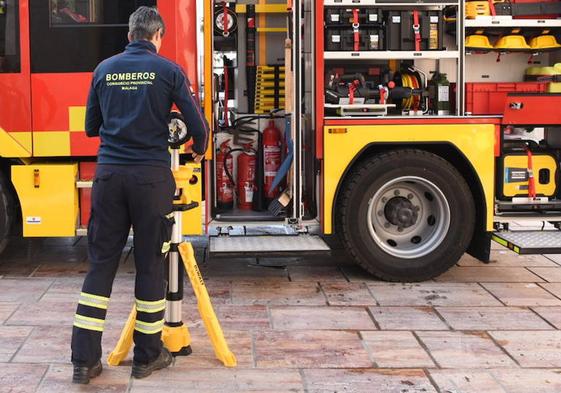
[[212, 325], [125, 341]]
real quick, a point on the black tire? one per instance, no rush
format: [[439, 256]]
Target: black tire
[[359, 191], [7, 212]]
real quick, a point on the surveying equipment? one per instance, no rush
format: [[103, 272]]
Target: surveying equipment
[[175, 334]]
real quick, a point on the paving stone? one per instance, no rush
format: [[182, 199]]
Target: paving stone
[[507, 258], [488, 274], [319, 318], [367, 381], [68, 254], [51, 344], [59, 313], [239, 342], [220, 292], [466, 381], [73, 285], [11, 339], [243, 268], [61, 269], [464, 350], [18, 268], [220, 380], [59, 379], [6, 310], [492, 318], [20, 378], [498, 381], [316, 273], [520, 294], [307, 349], [554, 257], [432, 294], [554, 288], [407, 318], [550, 274], [231, 317], [23, 290], [532, 348], [44, 314], [347, 294], [355, 273], [550, 314], [288, 293], [396, 350]]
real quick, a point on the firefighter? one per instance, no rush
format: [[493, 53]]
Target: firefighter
[[130, 99]]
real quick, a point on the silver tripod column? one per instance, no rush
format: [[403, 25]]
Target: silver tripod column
[[174, 296]]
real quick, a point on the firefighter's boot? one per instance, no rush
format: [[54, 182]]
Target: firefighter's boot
[[143, 370], [82, 375]]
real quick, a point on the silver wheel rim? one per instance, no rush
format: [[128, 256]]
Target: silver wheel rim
[[408, 217]]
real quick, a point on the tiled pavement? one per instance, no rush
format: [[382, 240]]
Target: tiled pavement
[[302, 325]]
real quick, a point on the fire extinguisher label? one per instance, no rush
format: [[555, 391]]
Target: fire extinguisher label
[[272, 160], [248, 193]]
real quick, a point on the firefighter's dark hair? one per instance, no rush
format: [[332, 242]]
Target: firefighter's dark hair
[[144, 23]]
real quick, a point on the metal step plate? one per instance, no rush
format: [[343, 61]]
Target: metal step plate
[[267, 245], [530, 242]]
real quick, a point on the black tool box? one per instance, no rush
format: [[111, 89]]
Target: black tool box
[[400, 32], [345, 17], [369, 39], [340, 29]]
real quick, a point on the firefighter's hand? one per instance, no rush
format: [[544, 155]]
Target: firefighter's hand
[[198, 157]]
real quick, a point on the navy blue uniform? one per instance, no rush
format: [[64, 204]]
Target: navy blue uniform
[[129, 102]]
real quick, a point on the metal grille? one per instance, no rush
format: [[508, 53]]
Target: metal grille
[[243, 244]]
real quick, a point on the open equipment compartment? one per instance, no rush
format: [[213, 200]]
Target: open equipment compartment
[[263, 163], [389, 58]]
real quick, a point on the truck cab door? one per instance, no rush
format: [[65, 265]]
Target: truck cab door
[[15, 95]]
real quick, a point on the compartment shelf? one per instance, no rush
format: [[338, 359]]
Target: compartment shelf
[[391, 55], [489, 21], [387, 3]]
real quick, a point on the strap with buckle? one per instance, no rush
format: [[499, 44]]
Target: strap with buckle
[[417, 30], [356, 31]]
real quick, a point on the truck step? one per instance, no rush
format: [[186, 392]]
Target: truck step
[[530, 242], [266, 245]]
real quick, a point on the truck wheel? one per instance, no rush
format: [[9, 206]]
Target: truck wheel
[[406, 215], [6, 212]]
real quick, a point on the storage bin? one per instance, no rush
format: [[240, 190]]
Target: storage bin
[[490, 98], [400, 35]]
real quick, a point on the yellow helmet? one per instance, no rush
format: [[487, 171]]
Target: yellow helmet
[[513, 42], [544, 42], [478, 42]]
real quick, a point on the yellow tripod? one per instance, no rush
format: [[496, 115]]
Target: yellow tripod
[[175, 334]]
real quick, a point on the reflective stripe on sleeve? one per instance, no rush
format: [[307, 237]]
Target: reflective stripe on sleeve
[[150, 307], [149, 327], [88, 323]]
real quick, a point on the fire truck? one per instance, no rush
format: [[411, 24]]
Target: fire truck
[[414, 131]]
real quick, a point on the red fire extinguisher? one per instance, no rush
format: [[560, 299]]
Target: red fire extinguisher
[[246, 177], [271, 157], [224, 184]]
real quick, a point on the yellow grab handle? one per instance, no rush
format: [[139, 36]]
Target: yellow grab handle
[[208, 316], [125, 341]]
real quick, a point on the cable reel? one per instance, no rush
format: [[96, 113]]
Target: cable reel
[[412, 80]]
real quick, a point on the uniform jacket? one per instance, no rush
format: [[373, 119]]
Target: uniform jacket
[[128, 106]]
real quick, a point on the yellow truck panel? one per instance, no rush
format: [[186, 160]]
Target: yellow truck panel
[[342, 144], [48, 197]]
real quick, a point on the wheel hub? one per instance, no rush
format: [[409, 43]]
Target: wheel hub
[[401, 212]]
